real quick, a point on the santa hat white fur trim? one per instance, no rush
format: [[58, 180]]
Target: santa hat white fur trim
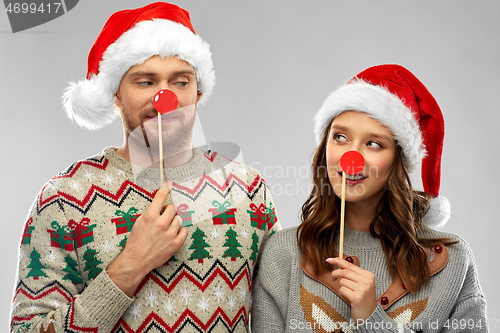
[[380, 104], [91, 103]]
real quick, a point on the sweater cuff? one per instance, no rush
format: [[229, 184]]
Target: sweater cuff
[[102, 302]]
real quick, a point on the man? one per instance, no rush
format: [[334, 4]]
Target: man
[[101, 250]]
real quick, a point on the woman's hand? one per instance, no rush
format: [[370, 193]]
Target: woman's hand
[[357, 286]]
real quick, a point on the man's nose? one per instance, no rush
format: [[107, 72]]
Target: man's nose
[[165, 101]]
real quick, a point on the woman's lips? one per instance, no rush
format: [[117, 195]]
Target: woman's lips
[[353, 180]]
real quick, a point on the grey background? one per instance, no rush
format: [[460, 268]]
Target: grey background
[[276, 62]]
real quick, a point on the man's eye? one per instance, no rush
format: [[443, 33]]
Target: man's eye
[[145, 83]]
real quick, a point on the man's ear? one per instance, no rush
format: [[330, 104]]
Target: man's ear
[[198, 96], [118, 101]]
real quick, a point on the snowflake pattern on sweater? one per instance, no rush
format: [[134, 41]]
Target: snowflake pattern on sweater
[[80, 222]]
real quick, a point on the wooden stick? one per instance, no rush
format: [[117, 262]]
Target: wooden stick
[[161, 148], [145, 135], [342, 215]]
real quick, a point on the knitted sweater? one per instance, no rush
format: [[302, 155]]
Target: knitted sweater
[[287, 299], [80, 222]]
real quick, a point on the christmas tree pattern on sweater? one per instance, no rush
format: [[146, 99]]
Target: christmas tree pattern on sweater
[[199, 246], [81, 220]]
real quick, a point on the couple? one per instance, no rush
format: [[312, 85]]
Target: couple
[[108, 247]]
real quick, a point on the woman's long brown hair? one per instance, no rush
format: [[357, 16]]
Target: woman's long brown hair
[[398, 221]]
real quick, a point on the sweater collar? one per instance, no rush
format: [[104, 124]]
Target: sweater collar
[[192, 168], [359, 240]]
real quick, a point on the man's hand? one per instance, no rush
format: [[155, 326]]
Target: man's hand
[[156, 236]]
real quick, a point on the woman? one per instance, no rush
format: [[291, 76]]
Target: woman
[[397, 274]]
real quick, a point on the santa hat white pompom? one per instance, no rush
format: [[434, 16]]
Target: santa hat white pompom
[[438, 213], [89, 105]]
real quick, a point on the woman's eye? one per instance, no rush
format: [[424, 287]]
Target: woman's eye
[[374, 144], [339, 137]]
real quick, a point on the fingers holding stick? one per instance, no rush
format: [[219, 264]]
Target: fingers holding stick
[[357, 286], [158, 203]]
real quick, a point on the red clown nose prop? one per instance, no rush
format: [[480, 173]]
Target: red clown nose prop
[[352, 162], [165, 101]]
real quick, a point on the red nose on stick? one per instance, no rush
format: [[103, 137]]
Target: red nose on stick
[[165, 101], [352, 162]]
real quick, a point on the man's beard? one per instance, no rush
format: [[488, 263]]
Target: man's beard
[[143, 140]]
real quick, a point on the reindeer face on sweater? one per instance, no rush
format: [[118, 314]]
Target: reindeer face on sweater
[[323, 318]]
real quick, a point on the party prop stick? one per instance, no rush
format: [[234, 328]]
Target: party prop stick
[[145, 135], [160, 143], [351, 163], [165, 101], [342, 215]]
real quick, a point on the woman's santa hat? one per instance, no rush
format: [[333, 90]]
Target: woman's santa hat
[[129, 38], [395, 97]]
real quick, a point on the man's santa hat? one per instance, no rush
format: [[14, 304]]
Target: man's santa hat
[[396, 98], [129, 38]]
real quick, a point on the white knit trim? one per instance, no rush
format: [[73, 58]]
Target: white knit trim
[[91, 103], [382, 105]]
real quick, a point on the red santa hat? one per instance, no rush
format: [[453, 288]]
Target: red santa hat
[[129, 38], [397, 99]]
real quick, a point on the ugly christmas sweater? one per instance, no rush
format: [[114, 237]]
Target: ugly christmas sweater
[[80, 222], [289, 297]]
